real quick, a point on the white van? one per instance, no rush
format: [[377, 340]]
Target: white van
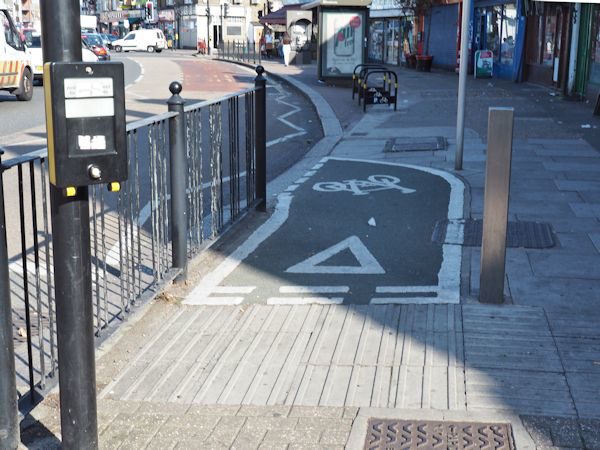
[[34, 49], [152, 40], [16, 75]]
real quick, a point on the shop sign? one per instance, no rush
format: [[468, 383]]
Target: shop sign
[[484, 64], [118, 16], [166, 15], [187, 10], [344, 35]]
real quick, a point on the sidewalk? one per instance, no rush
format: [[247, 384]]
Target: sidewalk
[[256, 374]]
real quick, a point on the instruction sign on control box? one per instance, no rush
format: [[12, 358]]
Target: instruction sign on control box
[[85, 119]]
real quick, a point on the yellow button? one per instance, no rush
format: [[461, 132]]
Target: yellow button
[[70, 191], [115, 186]]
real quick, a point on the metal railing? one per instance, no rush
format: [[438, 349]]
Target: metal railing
[[244, 51], [133, 238]]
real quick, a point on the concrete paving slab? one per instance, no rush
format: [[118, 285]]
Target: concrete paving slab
[[576, 185], [579, 243], [595, 237], [555, 293], [565, 265], [586, 209]]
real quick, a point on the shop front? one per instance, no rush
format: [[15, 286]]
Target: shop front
[[375, 40], [119, 23], [500, 29], [594, 78], [548, 43], [587, 82], [166, 22], [389, 39]]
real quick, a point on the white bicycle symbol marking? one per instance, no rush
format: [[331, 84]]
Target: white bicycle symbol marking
[[373, 183]]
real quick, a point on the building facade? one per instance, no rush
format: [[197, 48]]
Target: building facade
[[587, 77], [391, 34], [499, 26]]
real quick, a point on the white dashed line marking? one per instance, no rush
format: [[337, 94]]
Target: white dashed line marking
[[403, 289], [305, 301], [314, 289], [215, 301]]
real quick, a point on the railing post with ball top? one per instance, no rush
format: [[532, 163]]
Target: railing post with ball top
[[179, 176], [260, 117]]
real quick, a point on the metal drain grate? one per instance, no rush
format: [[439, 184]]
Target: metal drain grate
[[518, 234], [388, 434], [415, 144]]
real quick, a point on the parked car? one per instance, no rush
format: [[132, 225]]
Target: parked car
[[108, 39], [34, 50], [151, 40], [94, 42]]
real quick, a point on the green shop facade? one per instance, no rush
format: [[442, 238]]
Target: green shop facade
[[587, 80]]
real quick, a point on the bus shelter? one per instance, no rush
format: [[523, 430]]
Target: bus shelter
[[342, 37]]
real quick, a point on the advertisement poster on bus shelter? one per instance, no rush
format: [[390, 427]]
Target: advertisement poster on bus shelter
[[344, 34]]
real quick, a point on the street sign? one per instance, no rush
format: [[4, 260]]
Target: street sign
[[484, 64]]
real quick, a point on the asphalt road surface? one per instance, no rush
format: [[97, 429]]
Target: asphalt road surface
[[22, 124], [349, 231]]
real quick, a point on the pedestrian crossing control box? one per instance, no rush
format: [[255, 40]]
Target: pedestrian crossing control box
[[85, 120]]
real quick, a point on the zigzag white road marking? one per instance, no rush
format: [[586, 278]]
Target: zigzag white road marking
[[283, 118]]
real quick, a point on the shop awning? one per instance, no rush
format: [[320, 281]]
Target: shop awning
[[279, 17], [317, 3]]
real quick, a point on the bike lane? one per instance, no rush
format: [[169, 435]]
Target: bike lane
[[352, 232]]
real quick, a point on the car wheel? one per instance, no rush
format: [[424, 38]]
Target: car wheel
[[151, 49], [118, 49], [158, 50], [26, 89]]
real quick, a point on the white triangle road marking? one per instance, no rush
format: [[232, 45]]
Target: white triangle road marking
[[368, 264]]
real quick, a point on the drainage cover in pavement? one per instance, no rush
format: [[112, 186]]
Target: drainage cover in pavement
[[415, 144], [387, 434], [518, 234]]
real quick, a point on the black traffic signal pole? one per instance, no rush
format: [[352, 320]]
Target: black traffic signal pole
[[61, 31], [8, 384]]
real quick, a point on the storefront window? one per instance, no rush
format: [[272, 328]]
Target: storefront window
[[392, 36], [595, 60], [549, 31], [408, 37], [376, 40], [492, 32], [509, 34]]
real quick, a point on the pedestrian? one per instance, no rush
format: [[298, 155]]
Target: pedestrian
[[269, 42], [263, 46], [287, 49]]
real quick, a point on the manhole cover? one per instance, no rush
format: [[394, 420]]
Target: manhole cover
[[410, 434], [518, 234], [415, 144]]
